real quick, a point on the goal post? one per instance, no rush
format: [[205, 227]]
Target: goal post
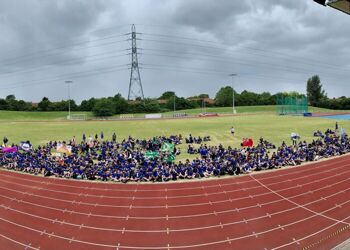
[[77, 117]]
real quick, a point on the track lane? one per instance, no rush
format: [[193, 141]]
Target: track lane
[[179, 221], [80, 197], [215, 202]]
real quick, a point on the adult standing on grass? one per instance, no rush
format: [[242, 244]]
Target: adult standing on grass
[[114, 137]]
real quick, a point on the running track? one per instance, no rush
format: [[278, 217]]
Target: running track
[[295, 208]]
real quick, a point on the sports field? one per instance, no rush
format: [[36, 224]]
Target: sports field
[[260, 122]]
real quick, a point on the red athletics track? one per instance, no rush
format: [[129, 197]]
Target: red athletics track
[[303, 207]]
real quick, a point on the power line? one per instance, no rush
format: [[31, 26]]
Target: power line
[[39, 56], [66, 46], [86, 59], [201, 46], [222, 59], [302, 60], [65, 76], [214, 72], [230, 61]]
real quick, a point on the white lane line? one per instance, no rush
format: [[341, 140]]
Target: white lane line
[[19, 243], [324, 164], [311, 235], [185, 216], [298, 205], [170, 230], [175, 247], [250, 188]]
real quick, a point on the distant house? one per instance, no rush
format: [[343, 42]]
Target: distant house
[[206, 100], [162, 101]]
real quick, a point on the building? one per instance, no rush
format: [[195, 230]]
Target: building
[[342, 5]]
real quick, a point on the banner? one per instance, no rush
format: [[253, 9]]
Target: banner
[[153, 116], [9, 149], [65, 149]]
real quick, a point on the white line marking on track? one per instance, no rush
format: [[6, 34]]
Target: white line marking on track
[[310, 235], [175, 247], [183, 229], [301, 206], [18, 243], [182, 196]]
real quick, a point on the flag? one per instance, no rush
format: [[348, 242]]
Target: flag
[[25, 146], [167, 147], [342, 133], [170, 158], [150, 155]]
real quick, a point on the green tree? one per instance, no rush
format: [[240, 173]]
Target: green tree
[[44, 105], [151, 106], [314, 90], [11, 102], [87, 105], [167, 95], [3, 104], [104, 107], [10, 97], [223, 97], [247, 98], [120, 104]]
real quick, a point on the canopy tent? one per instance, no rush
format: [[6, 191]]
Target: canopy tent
[[342, 5]]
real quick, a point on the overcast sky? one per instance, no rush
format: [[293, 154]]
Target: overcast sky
[[187, 46]]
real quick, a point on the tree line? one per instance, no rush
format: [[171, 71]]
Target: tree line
[[317, 96], [169, 101], [117, 104]]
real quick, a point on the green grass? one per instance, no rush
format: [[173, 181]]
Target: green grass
[[35, 116], [60, 116], [272, 127]]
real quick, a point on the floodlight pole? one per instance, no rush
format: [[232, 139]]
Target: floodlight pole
[[68, 82], [233, 94]]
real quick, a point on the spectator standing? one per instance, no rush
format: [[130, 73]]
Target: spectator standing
[[84, 138], [90, 140], [5, 140], [336, 127]]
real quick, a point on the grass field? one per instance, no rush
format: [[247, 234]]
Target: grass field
[[272, 127], [40, 116]]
